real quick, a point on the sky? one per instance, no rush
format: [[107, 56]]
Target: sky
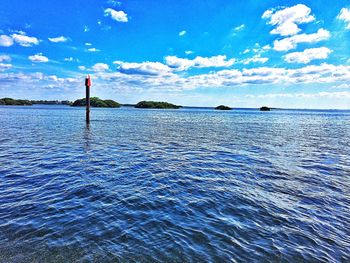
[[288, 54]]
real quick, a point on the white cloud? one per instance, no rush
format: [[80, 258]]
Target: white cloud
[[188, 52], [246, 51], [82, 67], [287, 20], [239, 28], [38, 58], [182, 33], [86, 29], [144, 68], [4, 66], [198, 62], [119, 16], [159, 77], [93, 49], [24, 40], [58, 39], [99, 67], [342, 86], [345, 16], [114, 3], [6, 41], [307, 55], [179, 63], [5, 58], [323, 94], [41, 82], [88, 44], [70, 59], [259, 49], [289, 43], [255, 59]]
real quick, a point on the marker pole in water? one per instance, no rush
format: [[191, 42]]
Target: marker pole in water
[[87, 85]]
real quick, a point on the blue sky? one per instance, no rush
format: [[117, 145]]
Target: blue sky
[[293, 54]]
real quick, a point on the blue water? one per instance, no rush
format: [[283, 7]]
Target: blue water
[[188, 185]]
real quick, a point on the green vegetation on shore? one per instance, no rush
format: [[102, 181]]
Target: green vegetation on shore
[[156, 105], [52, 102], [223, 107], [97, 102], [9, 101]]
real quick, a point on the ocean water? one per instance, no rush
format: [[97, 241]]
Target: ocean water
[[187, 185]]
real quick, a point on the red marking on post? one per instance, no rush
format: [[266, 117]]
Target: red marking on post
[[88, 81]]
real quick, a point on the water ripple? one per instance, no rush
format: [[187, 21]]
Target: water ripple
[[174, 186]]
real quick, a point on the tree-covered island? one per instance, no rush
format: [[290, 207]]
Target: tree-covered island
[[9, 101], [223, 107], [96, 102], [156, 105], [264, 108]]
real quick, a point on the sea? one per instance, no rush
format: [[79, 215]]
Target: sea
[[185, 185]]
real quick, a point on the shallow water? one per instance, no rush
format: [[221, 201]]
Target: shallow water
[[188, 185]]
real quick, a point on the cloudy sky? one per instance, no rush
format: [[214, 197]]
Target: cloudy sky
[[249, 53]]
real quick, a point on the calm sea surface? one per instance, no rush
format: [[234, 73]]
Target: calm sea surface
[[188, 185]]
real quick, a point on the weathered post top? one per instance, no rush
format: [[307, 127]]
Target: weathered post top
[[87, 100]]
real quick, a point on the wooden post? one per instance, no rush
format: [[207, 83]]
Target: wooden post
[[87, 85]]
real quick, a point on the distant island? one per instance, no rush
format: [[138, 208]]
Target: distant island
[[223, 107], [97, 102], [264, 108], [52, 102], [9, 101], [156, 105]]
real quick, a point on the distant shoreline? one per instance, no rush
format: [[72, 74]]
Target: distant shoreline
[[189, 107], [69, 103]]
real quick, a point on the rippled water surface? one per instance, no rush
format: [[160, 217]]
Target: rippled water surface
[[188, 185]]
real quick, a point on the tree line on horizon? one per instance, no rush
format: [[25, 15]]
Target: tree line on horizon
[[100, 103]]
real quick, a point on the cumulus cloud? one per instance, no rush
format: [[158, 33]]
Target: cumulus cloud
[[58, 39], [323, 94], [198, 62], [342, 86], [287, 20], [93, 49], [182, 33], [188, 52], [41, 81], [144, 68], [157, 76], [38, 58], [82, 67], [345, 16], [119, 16], [289, 43], [5, 58], [24, 40], [5, 66], [307, 55], [6, 41], [255, 59], [98, 67]]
